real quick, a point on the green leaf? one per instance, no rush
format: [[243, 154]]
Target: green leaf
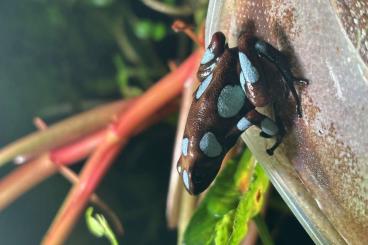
[[143, 29], [122, 71], [93, 225], [146, 29], [159, 32], [223, 228], [99, 227], [249, 205], [236, 196]]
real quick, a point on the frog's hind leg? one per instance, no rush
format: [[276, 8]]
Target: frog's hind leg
[[273, 55], [269, 128]]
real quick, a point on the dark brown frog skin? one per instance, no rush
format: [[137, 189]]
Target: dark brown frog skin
[[231, 86]]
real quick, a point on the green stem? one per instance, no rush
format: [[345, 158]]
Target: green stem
[[263, 231], [111, 237]]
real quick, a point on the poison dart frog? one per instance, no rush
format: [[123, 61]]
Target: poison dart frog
[[232, 85]]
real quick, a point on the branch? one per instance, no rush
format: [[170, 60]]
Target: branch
[[63, 132], [95, 199], [155, 98], [23, 178]]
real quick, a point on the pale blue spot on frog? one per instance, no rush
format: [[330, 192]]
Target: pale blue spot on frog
[[242, 80], [186, 179], [243, 124], [230, 101], [184, 146], [269, 127], [203, 86], [209, 145], [249, 71], [209, 70], [207, 56]]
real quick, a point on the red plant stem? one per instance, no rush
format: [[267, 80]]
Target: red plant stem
[[23, 178], [96, 200], [63, 132], [155, 98], [30, 174], [78, 150]]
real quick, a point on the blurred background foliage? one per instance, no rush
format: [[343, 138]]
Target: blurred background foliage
[[58, 58]]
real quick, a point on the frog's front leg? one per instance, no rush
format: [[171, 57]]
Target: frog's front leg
[[269, 128], [273, 55]]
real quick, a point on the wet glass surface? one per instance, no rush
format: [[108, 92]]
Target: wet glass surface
[[321, 170]]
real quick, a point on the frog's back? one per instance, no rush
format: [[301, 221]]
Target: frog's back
[[219, 101]]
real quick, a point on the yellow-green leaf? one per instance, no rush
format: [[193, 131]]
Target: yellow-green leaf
[[236, 196]]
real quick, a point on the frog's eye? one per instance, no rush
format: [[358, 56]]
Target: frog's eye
[[209, 62], [215, 48]]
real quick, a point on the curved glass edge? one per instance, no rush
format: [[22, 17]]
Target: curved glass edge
[[281, 173], [291, 189]]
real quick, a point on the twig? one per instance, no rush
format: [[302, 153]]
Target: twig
[[184, 10], [124, 44], [63, 132], [172, 65], [40, 123], [73, 178], [78, 150], [68, 218], [24, 178], [181, 26]]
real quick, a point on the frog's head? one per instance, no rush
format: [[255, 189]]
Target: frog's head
[[199, 163], [215, 48]]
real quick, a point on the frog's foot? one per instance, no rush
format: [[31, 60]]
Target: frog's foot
[[264, 135], [269, 128]]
